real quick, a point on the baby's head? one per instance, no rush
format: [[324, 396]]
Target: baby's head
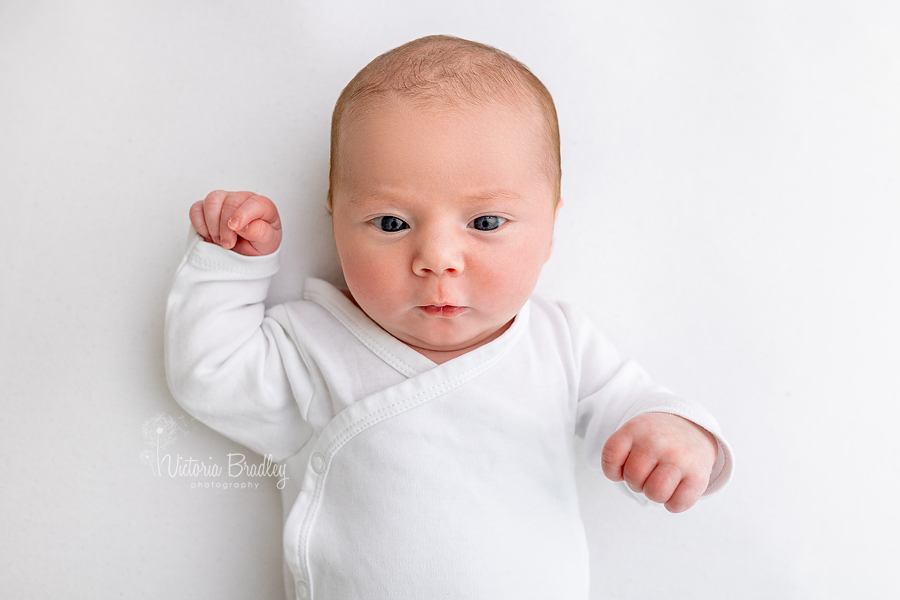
[[442, 70], [445, 178]]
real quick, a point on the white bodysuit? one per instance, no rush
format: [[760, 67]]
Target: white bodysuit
[[407, 479]]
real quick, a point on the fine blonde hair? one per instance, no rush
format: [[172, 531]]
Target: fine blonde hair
[[451, 70]]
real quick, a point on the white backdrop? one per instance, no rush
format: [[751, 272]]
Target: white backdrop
[[732, 220]]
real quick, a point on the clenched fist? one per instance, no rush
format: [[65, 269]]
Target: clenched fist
[[241, 221], [666, 457]]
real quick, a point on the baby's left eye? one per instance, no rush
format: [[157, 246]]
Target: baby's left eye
[[487, 223]]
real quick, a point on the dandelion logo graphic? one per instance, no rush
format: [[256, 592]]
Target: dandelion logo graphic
[[160, 431]]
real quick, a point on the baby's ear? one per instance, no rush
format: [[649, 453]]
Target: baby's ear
[[559, 204]]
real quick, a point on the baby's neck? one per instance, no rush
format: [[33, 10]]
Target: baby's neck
[[442, 356]]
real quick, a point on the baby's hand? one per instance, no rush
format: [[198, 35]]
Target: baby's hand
[[668, 458], [241, 221]]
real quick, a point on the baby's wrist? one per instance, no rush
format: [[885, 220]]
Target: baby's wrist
[[210, 256]]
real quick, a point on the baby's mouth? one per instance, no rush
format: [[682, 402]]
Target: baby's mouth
[[445, 310]]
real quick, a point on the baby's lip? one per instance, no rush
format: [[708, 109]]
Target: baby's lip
[[443, 310]]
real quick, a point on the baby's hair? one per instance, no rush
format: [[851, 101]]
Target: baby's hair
[[450, 70]]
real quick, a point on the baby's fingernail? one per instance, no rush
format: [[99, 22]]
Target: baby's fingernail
[[227, 244], [233, 223]]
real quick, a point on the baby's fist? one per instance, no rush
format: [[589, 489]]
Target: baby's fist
[[241, 221], [667, 458]]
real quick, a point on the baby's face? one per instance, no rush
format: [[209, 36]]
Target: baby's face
[[443, 218]]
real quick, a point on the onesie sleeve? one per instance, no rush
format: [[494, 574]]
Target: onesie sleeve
[[228, 363], [612, 391]]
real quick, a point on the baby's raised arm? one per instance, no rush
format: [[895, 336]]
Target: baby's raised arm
[[227, 358], [241, 221]]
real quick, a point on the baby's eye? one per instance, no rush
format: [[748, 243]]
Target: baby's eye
[[390, 224], [487, 223]]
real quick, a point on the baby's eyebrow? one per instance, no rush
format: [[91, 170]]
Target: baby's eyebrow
[[373, 197], [495, 194]]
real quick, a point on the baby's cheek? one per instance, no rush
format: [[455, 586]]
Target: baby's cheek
[[509, 279], [365, 278], [374, 280]]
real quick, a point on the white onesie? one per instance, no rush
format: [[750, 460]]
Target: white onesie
[[411, 480]]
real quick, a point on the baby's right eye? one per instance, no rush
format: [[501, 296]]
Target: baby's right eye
[[390, 224]]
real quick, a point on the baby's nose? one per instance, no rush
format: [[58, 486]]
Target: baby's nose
[[438, 255]]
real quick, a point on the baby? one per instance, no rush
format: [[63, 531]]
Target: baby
[[427, 413]]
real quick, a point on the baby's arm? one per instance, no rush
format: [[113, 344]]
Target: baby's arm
[[228, 362], [637, 431]]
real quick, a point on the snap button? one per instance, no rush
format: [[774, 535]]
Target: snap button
[[318, 462], [302, 590]]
